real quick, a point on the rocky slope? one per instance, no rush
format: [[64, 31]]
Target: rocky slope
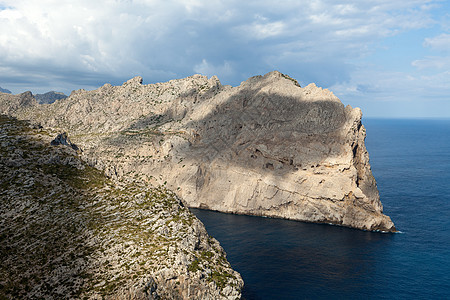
[[267, 147], [67, 231]]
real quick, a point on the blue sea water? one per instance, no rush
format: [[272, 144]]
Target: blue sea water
[[280, 259]]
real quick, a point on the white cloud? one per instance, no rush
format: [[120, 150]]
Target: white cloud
[[432, 62], [87, 43], [440, 42], [205, 68], [260, 31]]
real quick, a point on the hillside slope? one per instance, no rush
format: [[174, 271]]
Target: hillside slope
[[67, 231]]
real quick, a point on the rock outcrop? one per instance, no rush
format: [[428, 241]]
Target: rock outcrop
[[69, 232], [267, 147], [63, 139]]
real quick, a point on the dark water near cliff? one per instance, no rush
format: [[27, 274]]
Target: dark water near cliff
[[281, 259]]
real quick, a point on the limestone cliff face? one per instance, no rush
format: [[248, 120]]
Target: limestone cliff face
[[267, 147]]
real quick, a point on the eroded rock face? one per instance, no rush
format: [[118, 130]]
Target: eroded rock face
[[267, 147]]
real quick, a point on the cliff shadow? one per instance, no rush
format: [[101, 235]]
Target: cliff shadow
[[248, 123]]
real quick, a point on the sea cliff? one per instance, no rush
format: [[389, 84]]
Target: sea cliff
[[267, 147]]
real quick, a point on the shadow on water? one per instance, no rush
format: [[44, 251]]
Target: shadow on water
[[281, 259]]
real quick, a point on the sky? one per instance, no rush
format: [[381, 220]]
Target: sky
[[391, 58]]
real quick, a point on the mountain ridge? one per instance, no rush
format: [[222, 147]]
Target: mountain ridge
[[49, 97]]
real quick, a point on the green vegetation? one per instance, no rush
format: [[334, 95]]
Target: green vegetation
[[194, 266], [291, 79], [220, 278], [88, 177]]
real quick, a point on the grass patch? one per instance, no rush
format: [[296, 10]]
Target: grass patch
[[220, 278]]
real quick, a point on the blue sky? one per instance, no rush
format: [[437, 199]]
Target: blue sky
[[391, 58]]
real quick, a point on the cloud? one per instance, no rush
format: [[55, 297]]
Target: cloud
[[261, 28], [440, 42], [432, 62], [205, 68], [84, 43], [394, 94]]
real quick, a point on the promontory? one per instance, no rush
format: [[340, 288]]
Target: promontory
[[268, 147]]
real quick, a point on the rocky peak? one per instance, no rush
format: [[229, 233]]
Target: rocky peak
[[133, 81], [77, 92], [27, 99], [15, 103]]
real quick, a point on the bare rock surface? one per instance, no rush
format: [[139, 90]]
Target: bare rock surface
[[267, 147], [69, 232]]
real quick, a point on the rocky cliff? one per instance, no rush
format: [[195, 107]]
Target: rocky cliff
[[69, 232], [267, 147]]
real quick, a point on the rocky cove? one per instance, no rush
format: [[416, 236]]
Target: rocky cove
[[267, 147]]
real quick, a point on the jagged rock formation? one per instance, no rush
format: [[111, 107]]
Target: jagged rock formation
[[6, 91], [27, 98], [69, 232], [267, 147], [49, 97], [63, 139], [12, 104]]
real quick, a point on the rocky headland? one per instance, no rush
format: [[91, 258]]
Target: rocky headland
[[267, 147], [69, 232]]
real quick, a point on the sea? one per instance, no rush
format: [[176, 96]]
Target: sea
[[281, 259]]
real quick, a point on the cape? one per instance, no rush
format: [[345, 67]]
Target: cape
[[268, 147]]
